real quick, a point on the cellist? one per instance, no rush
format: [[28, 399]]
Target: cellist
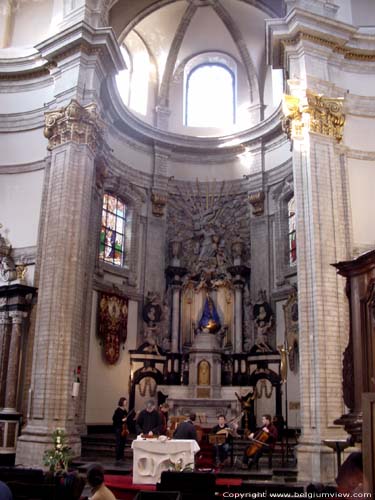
[[264, 438]]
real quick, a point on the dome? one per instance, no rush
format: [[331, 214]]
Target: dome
[[195, 67]]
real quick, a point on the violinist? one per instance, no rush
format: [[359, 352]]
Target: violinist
[[119, 422], [263, 439], [221, 451]]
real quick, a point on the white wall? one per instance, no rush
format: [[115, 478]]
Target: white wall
[[362, 189], [22, 147], [107, 383], [20, 200]]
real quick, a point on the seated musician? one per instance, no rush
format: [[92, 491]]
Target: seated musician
[[263, 439], [149, 422], [221, 451], [186, 429]]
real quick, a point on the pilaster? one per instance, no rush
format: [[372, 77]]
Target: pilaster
[[75, 135], [319, 187]]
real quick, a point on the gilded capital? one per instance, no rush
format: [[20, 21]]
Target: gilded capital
[[292, 121], [74, 123], [326, 115]]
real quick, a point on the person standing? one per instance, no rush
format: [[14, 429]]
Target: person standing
[[119, 420], [149, 421], [269, 443], [186, 429]]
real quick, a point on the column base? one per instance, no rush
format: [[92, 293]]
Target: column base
[[32, 444], [316, 463]]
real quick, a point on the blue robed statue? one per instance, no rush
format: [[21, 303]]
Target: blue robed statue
[[210, 321]]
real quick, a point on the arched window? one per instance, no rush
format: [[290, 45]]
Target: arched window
[[292, 232], [210, 96], [112, 234]]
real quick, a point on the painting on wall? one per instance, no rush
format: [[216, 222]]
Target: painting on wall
[[112, 325]]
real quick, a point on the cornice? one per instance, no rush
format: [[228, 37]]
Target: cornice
[[23, 168], [131, 126], [301, 26], [80, 37]]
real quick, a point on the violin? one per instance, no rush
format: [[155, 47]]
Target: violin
[[259, 441], [124, 430]]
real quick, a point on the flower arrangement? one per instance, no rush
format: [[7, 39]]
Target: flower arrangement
[[179, 466], [58, 457]]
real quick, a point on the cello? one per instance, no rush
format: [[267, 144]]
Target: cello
[[259, 441]]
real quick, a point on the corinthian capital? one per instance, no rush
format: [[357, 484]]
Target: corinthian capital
[[74, 123]]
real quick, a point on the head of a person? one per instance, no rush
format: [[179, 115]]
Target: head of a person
[[350, 473], [221, 420], [122, 402], [266, 419], [95, 475], [70, 486], [192, 417], [164, 407], [150, 405]]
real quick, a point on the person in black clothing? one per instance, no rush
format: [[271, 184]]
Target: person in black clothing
[[186, 430], [221, 451], [119, 419], [149, 421], [269, 443]]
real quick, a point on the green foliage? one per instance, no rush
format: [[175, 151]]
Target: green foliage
[[58, 457]]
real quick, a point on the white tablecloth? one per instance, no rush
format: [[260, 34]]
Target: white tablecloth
[[151, 457]]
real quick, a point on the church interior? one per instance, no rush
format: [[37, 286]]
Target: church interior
[[185, 217]]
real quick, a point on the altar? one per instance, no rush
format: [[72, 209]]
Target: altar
[[152, 456]]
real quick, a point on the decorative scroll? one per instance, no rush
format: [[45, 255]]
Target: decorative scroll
[[158, 203], [112, 325]]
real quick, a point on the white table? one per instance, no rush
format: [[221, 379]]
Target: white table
[[151, 457]]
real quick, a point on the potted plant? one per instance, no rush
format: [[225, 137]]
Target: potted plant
[[57, 459]]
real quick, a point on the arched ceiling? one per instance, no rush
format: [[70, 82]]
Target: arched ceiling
[[174, 31]]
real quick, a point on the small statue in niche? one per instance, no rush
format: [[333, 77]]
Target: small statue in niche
[[152, 315], [8, 270], [263, 318]]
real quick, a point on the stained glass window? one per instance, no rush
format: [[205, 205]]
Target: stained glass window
[[292, 232], [112, 234]]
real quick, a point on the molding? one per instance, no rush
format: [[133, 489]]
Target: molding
[[215, 147], [303, 26], [80, 37], [23, 168]]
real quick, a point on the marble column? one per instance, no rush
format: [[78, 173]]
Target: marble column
[[175, 317], [238, 288], [10, 402], [5, 324], [240, 274], [174, 275]]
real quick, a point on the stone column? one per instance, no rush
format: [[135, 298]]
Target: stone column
[[10, 402], [320, 190], [75, 135]]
